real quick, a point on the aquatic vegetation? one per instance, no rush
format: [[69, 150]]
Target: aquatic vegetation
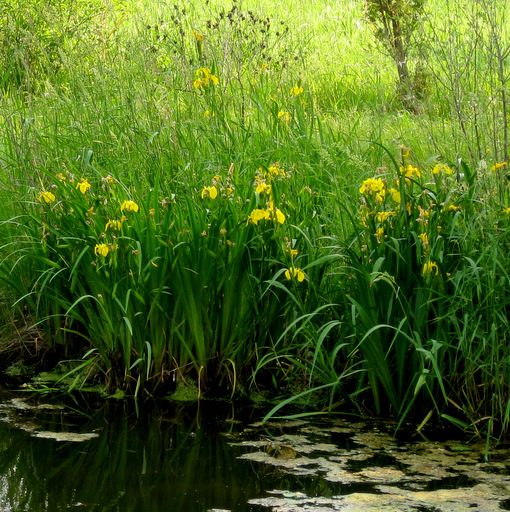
[[401, 323], [380, 472], [447, 500], [167, 285]]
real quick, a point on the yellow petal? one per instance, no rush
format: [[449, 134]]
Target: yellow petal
[[101, 250]]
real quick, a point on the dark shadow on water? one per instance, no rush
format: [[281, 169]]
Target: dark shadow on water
[[146, 458]]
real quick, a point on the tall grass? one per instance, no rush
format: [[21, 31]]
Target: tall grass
[[422, 302], [154, 283], [226, 192]]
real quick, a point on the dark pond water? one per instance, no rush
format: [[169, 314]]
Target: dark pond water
[[210, 456], [122, 458]]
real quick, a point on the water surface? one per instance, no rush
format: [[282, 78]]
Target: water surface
[[211, 456], [120, 457]]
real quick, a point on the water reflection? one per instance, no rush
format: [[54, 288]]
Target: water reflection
[[145, 459], [197, 458]]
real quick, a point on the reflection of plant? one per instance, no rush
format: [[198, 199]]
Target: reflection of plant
[[129, 457]]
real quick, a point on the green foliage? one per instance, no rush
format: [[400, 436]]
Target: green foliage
[[247, 220], [394, 19], [156, 284], [35, 36], [394, 23], [429, 290], [421, 294]]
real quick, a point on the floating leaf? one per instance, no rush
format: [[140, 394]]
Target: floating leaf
[[66, 436]]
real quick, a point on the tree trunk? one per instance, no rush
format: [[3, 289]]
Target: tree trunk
[[406, 87]]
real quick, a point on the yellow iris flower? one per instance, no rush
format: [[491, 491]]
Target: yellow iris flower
[[372, 185], [47, 197], [113, 224], [204, 78], [439, 168], [101, 250], [430, 267], [130, 206], [382, 216], [83, 186], [258, 215], [395, 195], [263, 187], [295, 273], [211, 192], [280, 216], [284, 116], [498, 165]]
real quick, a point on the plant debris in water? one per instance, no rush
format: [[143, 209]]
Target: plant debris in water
[[479, 498], [376, 471], [65, 436], [20, 414]]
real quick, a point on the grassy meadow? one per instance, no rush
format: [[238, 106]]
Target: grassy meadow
[[234, 195]]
